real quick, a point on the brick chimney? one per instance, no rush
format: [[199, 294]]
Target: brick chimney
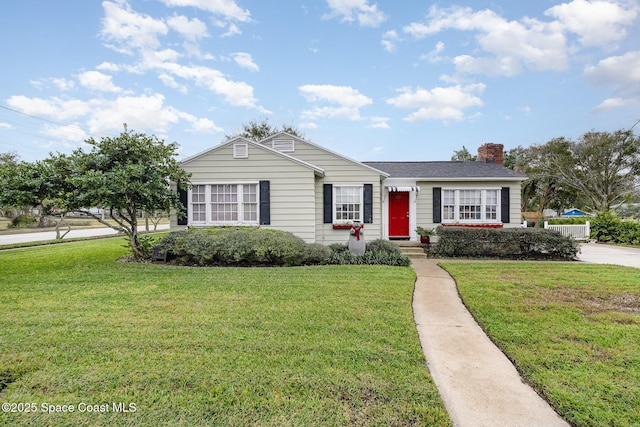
[[491, 152]]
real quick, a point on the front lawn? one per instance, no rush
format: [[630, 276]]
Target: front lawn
[[331, 345], [572, 330]]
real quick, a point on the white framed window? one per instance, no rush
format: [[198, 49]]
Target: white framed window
[[347, 203], [470, 205], [198, 203], [224, 204]]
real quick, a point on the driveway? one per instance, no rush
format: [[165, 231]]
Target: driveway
[[598, 253], [8, 239]]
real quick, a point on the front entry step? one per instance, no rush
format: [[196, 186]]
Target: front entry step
[[411, 249]]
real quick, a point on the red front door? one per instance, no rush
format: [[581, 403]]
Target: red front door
[[399, 214]]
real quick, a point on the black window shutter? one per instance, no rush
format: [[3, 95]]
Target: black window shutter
[[327, 203], [504, 205], [437, 205], [368, 203], [265, 203], [184, 200]]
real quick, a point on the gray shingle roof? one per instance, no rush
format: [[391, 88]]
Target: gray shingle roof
[[446, 170]]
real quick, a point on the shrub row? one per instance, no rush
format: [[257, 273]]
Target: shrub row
[[246, 246], [507, 243], [608, 227]]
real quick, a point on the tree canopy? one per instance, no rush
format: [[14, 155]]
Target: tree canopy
[[126, 175], [599, 171], [257, 131]]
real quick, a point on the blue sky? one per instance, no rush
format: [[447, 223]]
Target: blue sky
[[373, 80]]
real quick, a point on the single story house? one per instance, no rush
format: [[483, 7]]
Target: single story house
[[288, 183]]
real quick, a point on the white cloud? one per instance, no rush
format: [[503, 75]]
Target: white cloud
[[60, 83], [510, 44], [232, 31], [134, 33], [5, 126], [129, 30], [379, 122], [596, 22], [616, 70], [225, 8], [621, 72], [53, 108], [348, 100], [95, 80], [191, 30], [204, 125], [146, 113], [245, 60], [350, 10], [108, 66], [238, 94], [199, 124], [389, 39], [508, 47], [434, 55], [69, 133], [440, 103], [613, 103]]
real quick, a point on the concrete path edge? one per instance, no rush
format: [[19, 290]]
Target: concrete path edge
[[478, 383]]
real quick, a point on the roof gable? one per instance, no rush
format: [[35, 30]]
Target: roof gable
[[284, 135], [239, 139]]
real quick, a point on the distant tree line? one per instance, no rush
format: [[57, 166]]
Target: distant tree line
[[597, 172]]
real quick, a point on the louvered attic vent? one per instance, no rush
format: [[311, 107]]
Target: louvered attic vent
[[240, 151], [283, 145]]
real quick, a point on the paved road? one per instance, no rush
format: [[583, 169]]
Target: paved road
[[609, 254], [8, 239]]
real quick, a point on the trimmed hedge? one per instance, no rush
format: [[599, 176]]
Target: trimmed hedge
[[507, 243], [241, 246], [244, 246]]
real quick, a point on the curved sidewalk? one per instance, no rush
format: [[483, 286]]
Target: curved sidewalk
[[479, 385]]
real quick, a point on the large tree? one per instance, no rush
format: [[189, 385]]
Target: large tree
[[126, 175], [602, 167]]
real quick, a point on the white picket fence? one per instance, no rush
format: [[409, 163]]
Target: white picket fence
[[577, 231]]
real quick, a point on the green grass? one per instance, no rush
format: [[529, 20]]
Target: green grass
[[301, 346], [573, 331]]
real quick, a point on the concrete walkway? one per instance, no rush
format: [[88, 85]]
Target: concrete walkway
[[479, 385]]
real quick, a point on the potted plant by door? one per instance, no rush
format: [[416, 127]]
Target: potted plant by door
[[425, 234]]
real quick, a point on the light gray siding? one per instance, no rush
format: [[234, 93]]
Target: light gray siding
[[425, 200], [339, 170], [292, 185]]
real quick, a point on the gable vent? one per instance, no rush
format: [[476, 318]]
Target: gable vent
[[240, 151], [283, 145]]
